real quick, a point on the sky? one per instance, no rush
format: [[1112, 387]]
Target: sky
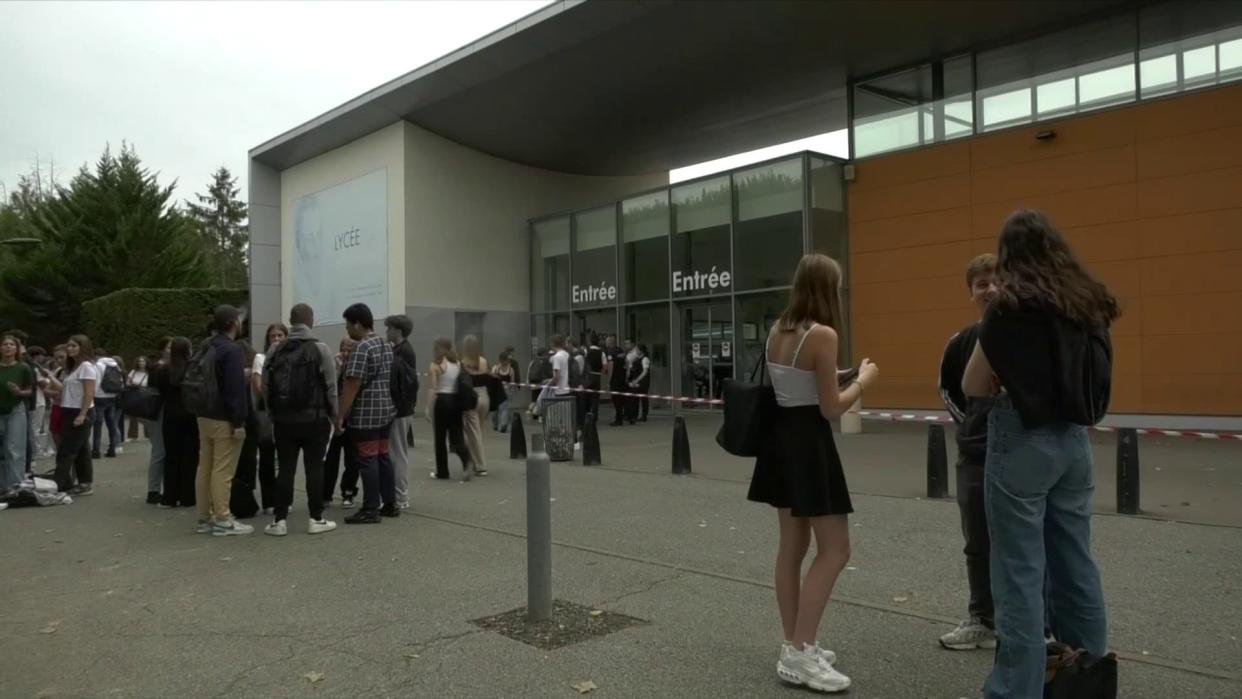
[[195, 85]]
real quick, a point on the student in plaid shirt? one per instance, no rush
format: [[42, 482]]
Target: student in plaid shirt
[[368, 411]]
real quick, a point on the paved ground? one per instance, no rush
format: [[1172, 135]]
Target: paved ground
[[110, 597]]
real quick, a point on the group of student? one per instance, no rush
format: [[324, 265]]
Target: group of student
[[567, 369], [1023, 383]]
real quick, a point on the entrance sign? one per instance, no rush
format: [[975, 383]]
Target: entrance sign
[[594, 294], [340, 247], [700, 281], [726, 350]]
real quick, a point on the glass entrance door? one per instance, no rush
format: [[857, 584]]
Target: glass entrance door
[[707, 349]]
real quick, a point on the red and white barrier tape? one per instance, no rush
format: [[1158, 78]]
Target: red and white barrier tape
[[910, 417], [890, 416]]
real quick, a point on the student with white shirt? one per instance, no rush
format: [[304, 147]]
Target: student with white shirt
[[106, 413], [77, 401], [266, 448]]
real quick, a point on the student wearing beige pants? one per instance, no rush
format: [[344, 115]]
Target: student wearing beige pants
[[475, 364], [219, 446]]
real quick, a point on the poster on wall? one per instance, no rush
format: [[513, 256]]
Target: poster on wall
[[340, 248]]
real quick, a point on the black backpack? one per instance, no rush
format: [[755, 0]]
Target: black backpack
[[295, 382], [200, 390], [113, 380], [403, 383], [466, 398], [575, 370]]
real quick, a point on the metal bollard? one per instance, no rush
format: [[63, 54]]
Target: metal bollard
[[538, 532], [937, 463], [517, 437], [590, 441], [681, 447], [1127, 471]]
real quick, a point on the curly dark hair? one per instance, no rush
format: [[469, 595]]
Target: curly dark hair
[[1035, 264]]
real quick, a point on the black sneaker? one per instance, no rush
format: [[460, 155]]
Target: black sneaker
[[95, 455], [153, 497], [111, 454], [364, 517], [389, 510]]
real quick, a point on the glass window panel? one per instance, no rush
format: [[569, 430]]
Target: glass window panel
[[756, 314], [549, 278], [912, 107], [1056, 96], [1199, 64], [701, 252], [1158, 75], [644, 254], [768, 235], [1007, 108], [1109, 85], [649, 325], [889, 133], [595, 258], [1230, 57], [959, 118], [829, 230], [543, 327]]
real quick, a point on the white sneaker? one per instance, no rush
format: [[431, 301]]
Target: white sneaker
[[278, 528], [807, 667], [232, 528], [119, 451], [969, 635], [320, 526], [204, 526], [827, 655], [403, 505]]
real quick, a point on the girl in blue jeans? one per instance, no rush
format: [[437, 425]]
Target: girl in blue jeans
[[1034, 356]]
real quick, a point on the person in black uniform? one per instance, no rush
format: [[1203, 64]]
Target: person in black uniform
[[616, 375], [971, 417], [594, 377], [640, 382]]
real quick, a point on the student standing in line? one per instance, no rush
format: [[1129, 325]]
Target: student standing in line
[[221, 424], [265, 466], [506, 371], [1044, 354], [367, 408], [475, 364], [640, 382], [442, 410], [338, 448], [404, 383], [180, 440], [594, 373], [299, 390], [77, 400], [17, 384], [154, 430], [971, 417], [617, 378], [799, 471], [105, 407]]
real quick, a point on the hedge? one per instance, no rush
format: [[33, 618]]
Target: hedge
[[129, 323]]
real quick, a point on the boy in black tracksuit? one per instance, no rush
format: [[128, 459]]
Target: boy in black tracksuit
[[971, 417]]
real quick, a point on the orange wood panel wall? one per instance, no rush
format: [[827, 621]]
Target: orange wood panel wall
[[1149, 195]]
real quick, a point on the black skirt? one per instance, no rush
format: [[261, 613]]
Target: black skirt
[[799, 468]]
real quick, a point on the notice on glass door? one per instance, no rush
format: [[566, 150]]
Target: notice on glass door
[[694, 351], [726, 349]]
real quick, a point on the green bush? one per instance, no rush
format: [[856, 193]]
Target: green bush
[[129, 323]]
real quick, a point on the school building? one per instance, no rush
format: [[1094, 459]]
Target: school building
[[519, 186]]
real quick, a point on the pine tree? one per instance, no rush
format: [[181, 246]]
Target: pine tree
[[111, 228], [221, 220]]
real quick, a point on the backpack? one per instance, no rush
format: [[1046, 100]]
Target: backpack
[[295, 383], [575, 371], [403, 383], [113, 380], [466, 398], [200, 390], [540, 369]]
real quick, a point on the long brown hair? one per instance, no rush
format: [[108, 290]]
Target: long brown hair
[[442, 348], [816, 294], [1035, 264], [86, 352], [267, 336]]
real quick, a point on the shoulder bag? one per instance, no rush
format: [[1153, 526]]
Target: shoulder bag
[[749, 411]]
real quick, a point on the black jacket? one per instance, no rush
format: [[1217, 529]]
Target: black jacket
[[970, 414], [231, 380]]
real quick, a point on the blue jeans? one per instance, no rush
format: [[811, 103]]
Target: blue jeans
[[1038, 486], [13, 440], [107, 414], [155, 467]]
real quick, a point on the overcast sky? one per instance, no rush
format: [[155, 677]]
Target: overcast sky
[[195, 85]]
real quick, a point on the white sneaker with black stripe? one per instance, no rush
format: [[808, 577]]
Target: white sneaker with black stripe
[[809, 667]]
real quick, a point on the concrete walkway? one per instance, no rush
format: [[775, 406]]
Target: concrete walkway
[[112, 597]]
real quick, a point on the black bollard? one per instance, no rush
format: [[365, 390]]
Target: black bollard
[[681, 447], [937, 463], [1127, 471], [517, 437], [590, 441]]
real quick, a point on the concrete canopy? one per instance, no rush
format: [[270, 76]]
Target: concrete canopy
[[616, 88]]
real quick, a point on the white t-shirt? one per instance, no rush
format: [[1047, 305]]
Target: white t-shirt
[[73, 392], [137, 378], [257, 367], [101, 365], [560, 363]]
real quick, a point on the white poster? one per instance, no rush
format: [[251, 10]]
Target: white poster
[[340, 255]]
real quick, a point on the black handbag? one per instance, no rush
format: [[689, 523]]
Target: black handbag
[[141, 402], [1073, 674], [465, 397], [749, 411]]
